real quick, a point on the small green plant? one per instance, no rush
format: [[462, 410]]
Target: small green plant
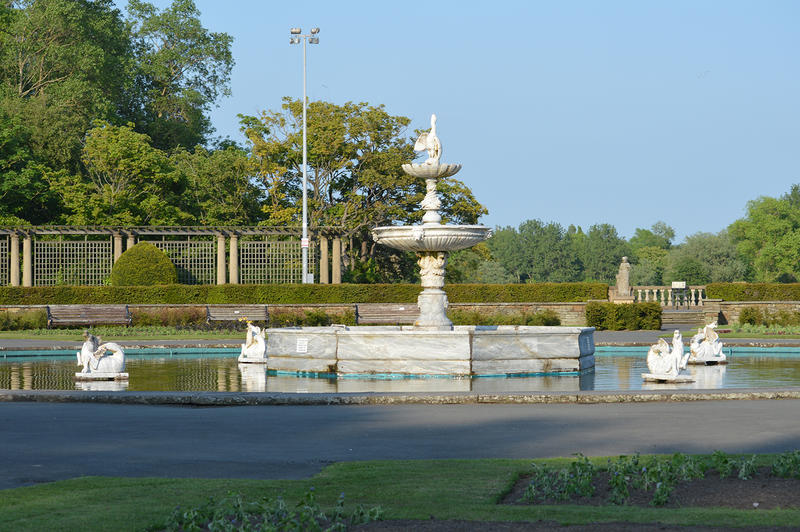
[[747, 468], [622, 471], [576, 480], [235, 513], [722, 463], [787, 465]]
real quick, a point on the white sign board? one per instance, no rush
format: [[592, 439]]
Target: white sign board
[[302, 345], [678, 284]]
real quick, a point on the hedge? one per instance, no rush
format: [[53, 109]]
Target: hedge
[[297, 293], [754, 291], [143, 264], [630, 316]]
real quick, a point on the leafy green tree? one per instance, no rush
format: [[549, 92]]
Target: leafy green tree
[[660, 235], [63, 63], [355, 182], [476, 265], [648, 269], [24, 193], [219, 189], [767, 237], [716, 254], [537, 252], [129, 182], [183, 69], [601, 252]]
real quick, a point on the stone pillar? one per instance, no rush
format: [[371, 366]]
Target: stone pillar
[[234, 266], [27, 260], [14, 241], [221, 259], [323, 261], [336, 261], [117, 246], [131, 241]]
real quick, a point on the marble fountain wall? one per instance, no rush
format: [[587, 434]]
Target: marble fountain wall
[[406, 350]]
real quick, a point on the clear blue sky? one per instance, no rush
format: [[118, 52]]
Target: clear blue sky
[[578, 112]]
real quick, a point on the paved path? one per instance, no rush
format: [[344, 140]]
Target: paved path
[[41, 442]]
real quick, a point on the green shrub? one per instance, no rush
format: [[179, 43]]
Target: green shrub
[[630, 316], [475, 317], [754, 291], [26, 319], [173, 317], [143, 265], [295, 293], [751, 315]]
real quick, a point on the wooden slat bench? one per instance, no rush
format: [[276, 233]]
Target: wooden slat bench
[[222, 313], [386, 313], [87, 315]]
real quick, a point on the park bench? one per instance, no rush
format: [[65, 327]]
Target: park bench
[[386, 313], [88, 315], [232, 313]]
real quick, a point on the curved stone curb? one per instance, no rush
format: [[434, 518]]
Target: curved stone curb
[[288, 399]]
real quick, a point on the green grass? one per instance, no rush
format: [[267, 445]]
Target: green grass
[[445, 489]]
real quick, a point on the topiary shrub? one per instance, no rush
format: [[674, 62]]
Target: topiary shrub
[[142, 265]]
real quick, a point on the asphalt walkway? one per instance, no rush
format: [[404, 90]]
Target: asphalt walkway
[[43, 442]]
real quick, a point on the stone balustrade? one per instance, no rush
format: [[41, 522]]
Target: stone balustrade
[[690, 297]]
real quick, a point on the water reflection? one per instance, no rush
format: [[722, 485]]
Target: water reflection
[[198, 373]]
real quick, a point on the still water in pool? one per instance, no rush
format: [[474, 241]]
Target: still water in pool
[[615, 370]]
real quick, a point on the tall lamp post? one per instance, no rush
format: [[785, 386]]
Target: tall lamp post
[[297, 36]]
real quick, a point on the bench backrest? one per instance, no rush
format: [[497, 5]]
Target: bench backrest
[[237, 312], [88, 314], [389, 313]]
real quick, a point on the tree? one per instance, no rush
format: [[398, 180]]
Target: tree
[[63, 63], [716, 254], [767, 237], [648, 269], [355, 182], [660, 235], [183, 69], [601, 252], [476, 265], [24, 193], [129, 183], [537, 252], [219, 188]]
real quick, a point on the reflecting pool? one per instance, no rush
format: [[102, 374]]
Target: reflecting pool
[[617, 368]]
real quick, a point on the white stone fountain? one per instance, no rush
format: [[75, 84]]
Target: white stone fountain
[[432, 241], [433, 346]]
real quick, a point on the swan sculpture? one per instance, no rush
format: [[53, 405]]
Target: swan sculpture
[[661, 361], [255, 343], [706, 347], [430, 142], [96, 358]]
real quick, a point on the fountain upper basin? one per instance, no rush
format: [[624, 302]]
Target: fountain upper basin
[[431, 237]]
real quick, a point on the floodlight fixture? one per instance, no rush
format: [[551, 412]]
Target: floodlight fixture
[[314, 40], [295, 31], [314, 31]]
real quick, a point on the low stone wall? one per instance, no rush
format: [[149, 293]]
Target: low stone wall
[[573, 314], [729, 310]]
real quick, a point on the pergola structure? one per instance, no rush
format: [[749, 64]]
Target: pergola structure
[[55, 254]]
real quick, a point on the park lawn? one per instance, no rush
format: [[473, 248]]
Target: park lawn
[[409, 489]]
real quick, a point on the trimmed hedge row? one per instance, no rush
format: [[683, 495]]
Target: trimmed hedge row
[[754, 291], [630, 316], [297, 293]]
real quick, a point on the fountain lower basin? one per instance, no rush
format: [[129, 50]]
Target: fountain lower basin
[[431, 237], [400, 350]]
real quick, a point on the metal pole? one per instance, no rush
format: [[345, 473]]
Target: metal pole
[[304, 242]]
